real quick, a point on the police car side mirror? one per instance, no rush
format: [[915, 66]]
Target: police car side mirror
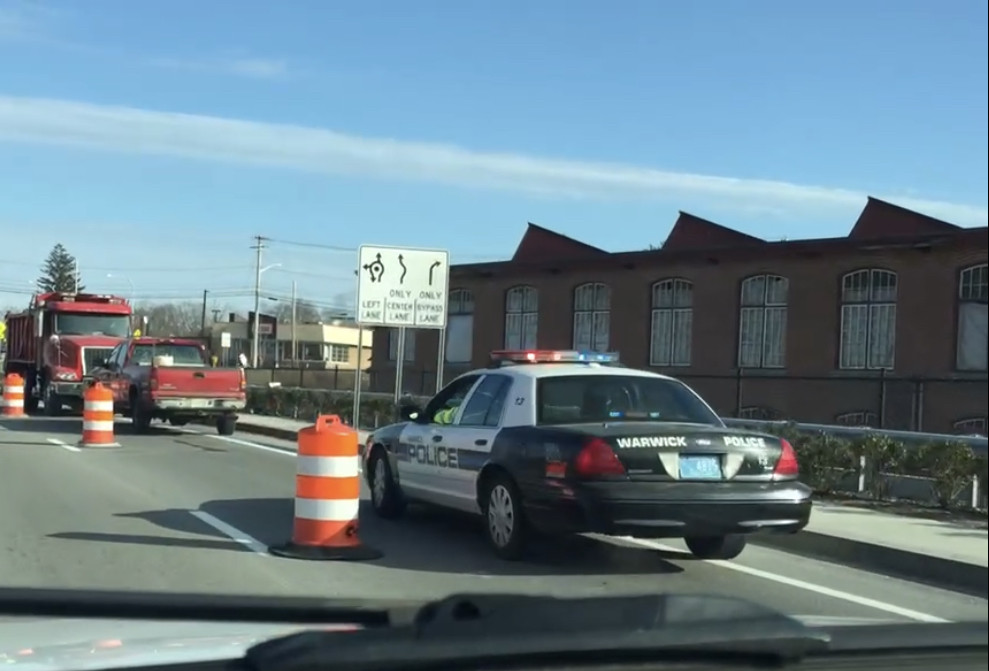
[[409, 413]]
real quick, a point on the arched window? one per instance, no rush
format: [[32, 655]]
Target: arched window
[[762, 322], [868, 320], [460, 327], [672, 323], [972, 352], [860, 418], [970, 426], [760, 413], [592, 317], [521, 317]]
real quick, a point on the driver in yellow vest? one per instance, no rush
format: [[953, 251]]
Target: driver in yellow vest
[[446, 415]]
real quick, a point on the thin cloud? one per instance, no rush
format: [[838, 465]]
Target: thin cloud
[[146, 132], [251, 68], [24, 21]]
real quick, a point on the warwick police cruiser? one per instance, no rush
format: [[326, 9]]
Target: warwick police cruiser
[[561, 442]]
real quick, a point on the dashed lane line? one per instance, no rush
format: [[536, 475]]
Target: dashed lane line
[[64, 445], [232, 532]]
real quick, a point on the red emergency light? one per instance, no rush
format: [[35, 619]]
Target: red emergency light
[[552, 356]]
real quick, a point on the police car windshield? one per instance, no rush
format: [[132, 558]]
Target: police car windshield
[[574, 399]]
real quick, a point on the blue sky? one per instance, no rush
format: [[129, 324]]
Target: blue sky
[[153, 139]]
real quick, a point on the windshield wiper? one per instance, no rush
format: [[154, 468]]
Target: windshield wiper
[[482, 629]]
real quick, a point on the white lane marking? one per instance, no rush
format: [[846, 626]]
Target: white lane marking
[[233, 533], [800, 584], [238, 441], [257, 446], [3, 428], [63, 444]]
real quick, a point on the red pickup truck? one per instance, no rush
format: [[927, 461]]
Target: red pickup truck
[[171, 379]]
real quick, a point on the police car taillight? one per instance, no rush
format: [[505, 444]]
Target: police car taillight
[[597, 459], [787, 466], [552, 356]]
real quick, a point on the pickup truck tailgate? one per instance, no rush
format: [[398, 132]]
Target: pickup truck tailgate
[[196, 382]]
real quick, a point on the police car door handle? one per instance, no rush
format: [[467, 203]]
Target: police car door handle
[[481, 442], [437, 438]]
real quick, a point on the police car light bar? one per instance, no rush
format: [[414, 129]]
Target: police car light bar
[[552, 356]]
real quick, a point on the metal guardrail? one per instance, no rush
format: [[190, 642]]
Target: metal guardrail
[[979, 444]]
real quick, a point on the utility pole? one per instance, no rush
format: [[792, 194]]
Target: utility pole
[[295, 352], [256, 340], [202, 327]]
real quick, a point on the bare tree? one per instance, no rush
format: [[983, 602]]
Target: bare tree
[[305, 311], [170, 319]]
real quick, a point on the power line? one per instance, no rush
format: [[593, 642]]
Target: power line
[[144, 269]]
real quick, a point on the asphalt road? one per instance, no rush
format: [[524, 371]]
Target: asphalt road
[[189, 511]]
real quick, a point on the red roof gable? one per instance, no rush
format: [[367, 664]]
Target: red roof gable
[[690, 232], [540, 243], [880, 219]]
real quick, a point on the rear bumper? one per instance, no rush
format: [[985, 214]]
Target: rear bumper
[[655, 510], [198, 406]]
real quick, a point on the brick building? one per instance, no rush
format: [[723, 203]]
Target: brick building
[[885, 327]]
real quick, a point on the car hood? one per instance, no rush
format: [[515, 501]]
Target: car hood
[[64, 645]]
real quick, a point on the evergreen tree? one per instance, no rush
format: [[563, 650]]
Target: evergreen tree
[[58, 273]]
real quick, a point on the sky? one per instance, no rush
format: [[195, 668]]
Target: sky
[[153, 139]]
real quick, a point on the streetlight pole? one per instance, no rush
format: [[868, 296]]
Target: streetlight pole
[[256, 339], [125, 279]]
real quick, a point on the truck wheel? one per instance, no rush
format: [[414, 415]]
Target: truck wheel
[[53, 402], [226, 425], [140, 417], [30, 398], [716, 547]]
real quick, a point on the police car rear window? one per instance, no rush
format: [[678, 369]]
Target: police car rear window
[[574, 399]]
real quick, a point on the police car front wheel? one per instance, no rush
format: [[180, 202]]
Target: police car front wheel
[[504, 524], [385, 494]]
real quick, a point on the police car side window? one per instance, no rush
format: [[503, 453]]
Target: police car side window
[[487, 401], [450, 396]]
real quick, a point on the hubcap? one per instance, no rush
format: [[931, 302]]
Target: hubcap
[[501, 515], [380, 483]]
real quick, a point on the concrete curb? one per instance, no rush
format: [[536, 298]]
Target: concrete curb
[[951, 574], [941, 572]]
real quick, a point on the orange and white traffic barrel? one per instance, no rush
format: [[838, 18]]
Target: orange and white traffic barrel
[[97, 417], [13, 395], [327, 495]]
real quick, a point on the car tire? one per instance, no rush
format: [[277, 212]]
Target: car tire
[[504, 522], [386, 495], [716, 547]]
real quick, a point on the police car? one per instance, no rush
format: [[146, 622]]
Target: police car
[[560, 442]]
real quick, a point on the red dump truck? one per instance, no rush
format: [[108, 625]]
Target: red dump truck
[[171, 379], [58, 340]]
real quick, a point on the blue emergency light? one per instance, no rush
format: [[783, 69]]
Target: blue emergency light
[[552, 356]]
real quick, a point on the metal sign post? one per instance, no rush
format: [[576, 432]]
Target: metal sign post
[[359, 373], [402, 288], [225, 347]]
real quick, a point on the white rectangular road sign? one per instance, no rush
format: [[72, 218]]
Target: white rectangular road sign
[[225, 339], [402, 287]]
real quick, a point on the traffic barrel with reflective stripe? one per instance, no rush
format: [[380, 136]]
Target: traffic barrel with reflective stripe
[[97, 417], [13, 395], [327, 495]]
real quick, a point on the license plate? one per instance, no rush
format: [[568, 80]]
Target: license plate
[[700, 467]]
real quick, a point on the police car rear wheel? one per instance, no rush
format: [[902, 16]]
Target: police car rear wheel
[[716, 547], [385, 495], [504, 524]]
